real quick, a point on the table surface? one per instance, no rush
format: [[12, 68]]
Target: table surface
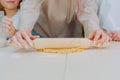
[[92, 64]]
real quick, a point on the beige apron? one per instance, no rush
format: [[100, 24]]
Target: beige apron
[[57, 19]]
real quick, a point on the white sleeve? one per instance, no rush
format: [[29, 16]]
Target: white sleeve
[[30, 10], [88, 17]]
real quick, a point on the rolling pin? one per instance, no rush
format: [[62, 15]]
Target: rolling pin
[[42, 43], [59, 43]]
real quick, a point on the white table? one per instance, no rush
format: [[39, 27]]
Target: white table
[[93, 64]]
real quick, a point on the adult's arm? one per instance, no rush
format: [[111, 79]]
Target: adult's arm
[[87, 16], [30, 10]]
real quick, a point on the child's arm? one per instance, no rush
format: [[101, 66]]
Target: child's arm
[[115, 35], [8, 26]]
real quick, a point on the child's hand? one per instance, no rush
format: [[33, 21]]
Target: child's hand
[[100, 37], [115, 35], [8, 27]]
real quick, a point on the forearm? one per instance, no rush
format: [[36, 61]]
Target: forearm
[[88, 17], [30, 10]]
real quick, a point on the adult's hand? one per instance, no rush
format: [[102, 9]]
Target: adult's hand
[[23, 39], [100, 37]]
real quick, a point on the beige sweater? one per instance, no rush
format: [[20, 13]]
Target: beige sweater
[[57, 18]]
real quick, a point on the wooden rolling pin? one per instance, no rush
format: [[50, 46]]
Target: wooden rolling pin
[[42, 43], [49, 43]]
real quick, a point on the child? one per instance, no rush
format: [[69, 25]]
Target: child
[[11, 10], [109, 15], [10, 23]]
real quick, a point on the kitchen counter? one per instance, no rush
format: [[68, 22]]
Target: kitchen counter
[[92, 64]]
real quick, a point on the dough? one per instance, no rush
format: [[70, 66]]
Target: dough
[[61, 51]]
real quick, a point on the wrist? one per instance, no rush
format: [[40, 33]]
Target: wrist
[[14, 32]]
